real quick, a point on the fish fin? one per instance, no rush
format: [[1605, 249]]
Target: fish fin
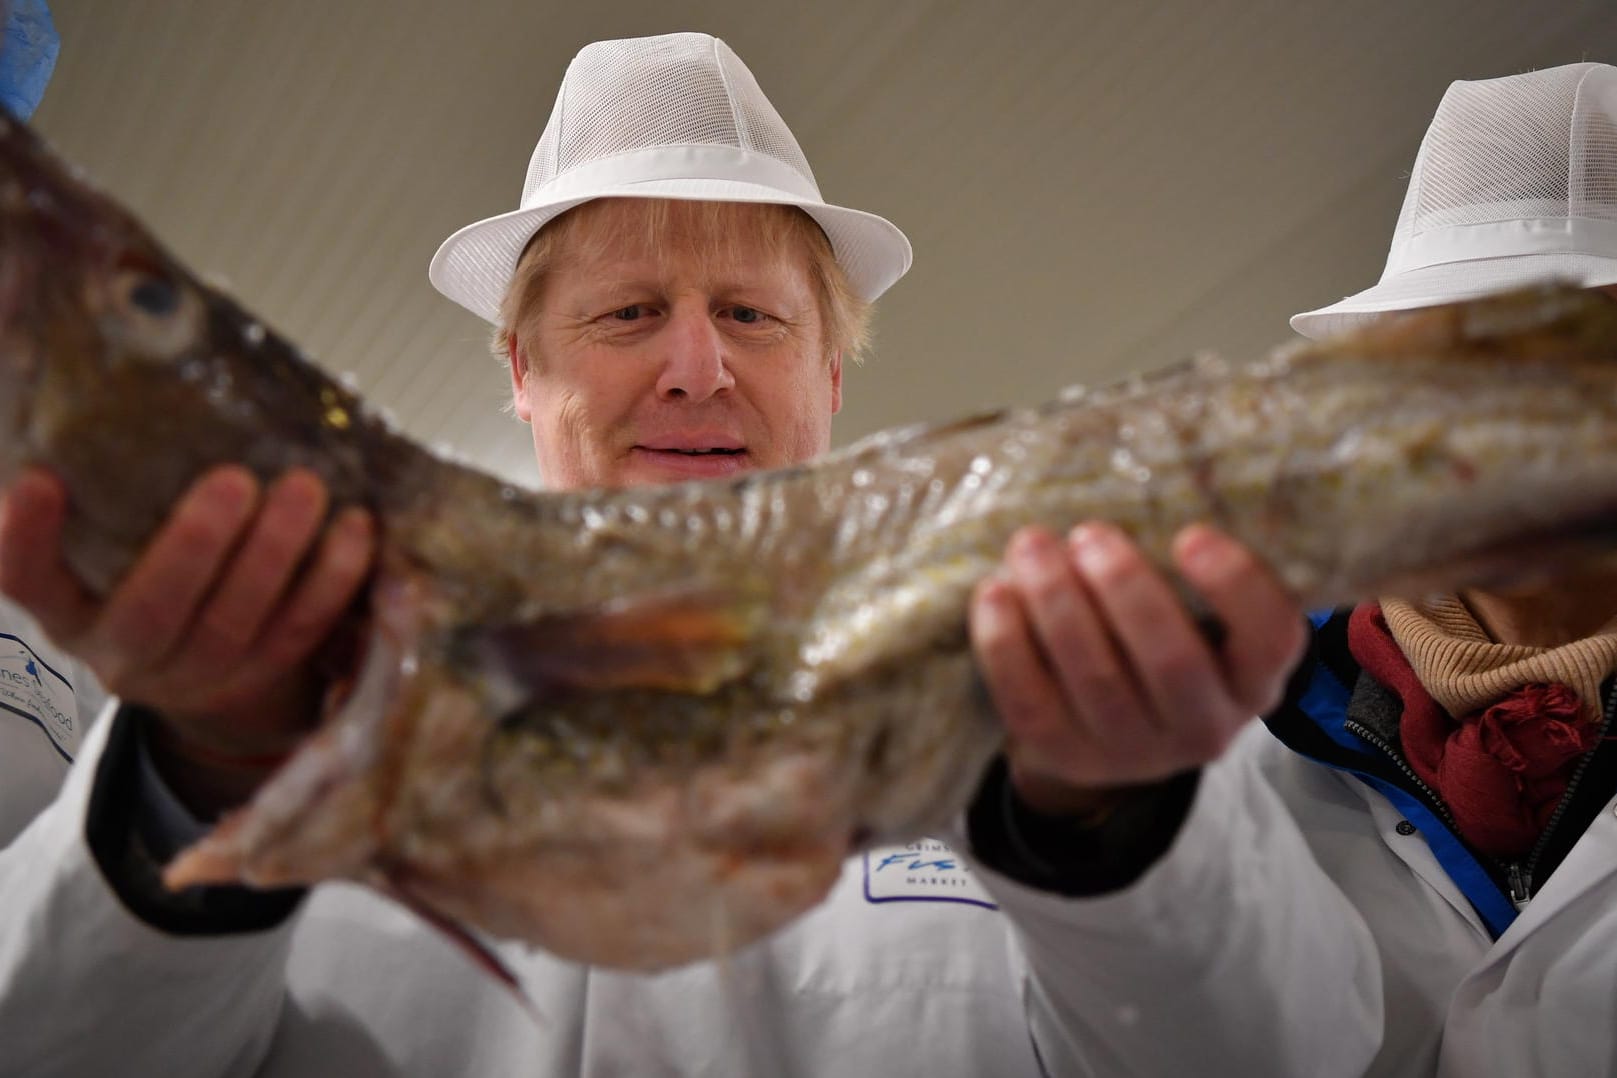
[[688, 641], [312, 818], [480, 954]]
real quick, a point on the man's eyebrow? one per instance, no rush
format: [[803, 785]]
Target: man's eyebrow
[[608, 280], [721, 285]]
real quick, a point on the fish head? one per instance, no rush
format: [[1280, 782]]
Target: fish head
[[84, 294], [111, 351]]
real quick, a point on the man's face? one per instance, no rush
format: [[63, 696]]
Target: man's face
[[646, 361]]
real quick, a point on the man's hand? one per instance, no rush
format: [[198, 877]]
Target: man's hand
[[1101, 677], [214, 626]]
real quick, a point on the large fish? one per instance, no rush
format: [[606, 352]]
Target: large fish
[[639, 727]]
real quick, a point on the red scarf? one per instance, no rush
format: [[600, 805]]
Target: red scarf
[[1501, 769]]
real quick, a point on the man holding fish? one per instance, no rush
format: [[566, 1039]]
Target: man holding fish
[[1137, 902], [689, 317]]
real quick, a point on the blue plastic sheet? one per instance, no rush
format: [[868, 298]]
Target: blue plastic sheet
[[27, 56]]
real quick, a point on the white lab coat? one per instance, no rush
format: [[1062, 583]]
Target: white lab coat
[[47, 702], [1232, 955], [1541, 1000]]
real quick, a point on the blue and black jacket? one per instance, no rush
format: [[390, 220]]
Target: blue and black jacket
[[1339, 716]]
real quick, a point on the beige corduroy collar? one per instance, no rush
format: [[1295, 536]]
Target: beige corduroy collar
[[1464, 670]]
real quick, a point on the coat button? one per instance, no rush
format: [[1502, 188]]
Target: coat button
[[1405, 828]]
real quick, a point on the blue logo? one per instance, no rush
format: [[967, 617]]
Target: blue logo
[[912, 863], [925, 870]]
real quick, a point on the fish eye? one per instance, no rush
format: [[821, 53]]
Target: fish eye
[[156, 296], [152, 315]]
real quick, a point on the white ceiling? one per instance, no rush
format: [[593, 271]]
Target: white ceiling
[[1092, 187]]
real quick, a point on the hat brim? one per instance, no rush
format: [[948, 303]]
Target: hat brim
[[1452, 282], [474, 266]]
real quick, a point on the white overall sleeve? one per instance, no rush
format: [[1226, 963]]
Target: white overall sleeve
[[1232, 955], [86, 987]]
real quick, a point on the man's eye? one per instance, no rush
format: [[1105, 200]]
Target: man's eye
[[746, 315], [629, 313]]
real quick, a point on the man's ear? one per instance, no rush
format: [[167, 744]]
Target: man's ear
[[519, 377], [836, 381]]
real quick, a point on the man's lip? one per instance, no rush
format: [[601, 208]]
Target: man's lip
[[693, 445], [675, 464], [683, 453]]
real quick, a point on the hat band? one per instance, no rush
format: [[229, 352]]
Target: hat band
[[1502, 239], [659, 163]]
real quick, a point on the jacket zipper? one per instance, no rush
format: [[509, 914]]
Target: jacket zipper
[[1519, 875], [1433, 802]]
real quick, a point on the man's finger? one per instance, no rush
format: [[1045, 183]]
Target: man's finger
[[327, 587], [32, 571], [259, 573], [1024, 691], [1097, 686], [150, 612], [1182, 682], [1264, 628]]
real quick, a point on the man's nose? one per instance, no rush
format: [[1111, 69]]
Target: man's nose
[[695, 365]]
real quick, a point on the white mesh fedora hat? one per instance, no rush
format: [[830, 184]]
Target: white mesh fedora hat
[[1515, 182], [677, 116]]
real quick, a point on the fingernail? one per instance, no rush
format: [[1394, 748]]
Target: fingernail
[[1201, 549], [1096, 547], [1031, 544], [300, 485], [994, 598], [231, 491]]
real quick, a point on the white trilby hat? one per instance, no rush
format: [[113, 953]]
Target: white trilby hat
[[677, 116], [1515, 182]]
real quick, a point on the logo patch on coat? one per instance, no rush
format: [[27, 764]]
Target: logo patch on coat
[[31, 689], [922, 871]]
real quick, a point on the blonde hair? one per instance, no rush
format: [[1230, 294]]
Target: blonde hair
[[716, 227]]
